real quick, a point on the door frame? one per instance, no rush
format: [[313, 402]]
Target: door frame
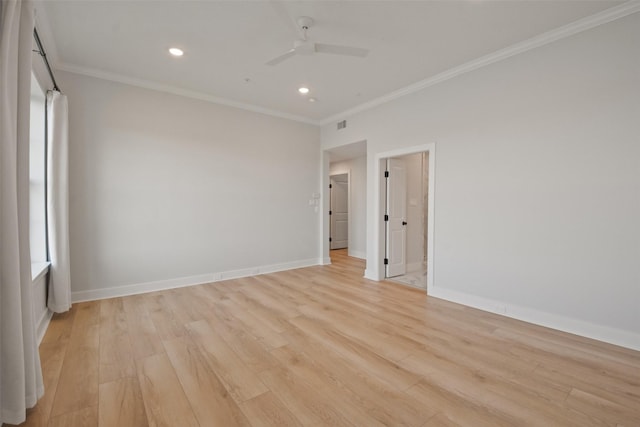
[[331, 175], [323, 218], [377, 270]]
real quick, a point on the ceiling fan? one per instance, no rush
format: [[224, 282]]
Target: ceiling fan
[[303, 46]]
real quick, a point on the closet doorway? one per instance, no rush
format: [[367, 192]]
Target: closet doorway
[[339, 211], [406, 218]]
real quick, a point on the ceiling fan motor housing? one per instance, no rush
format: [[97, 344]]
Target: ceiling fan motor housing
[[305, 22]]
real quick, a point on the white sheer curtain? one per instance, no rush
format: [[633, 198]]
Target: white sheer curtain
[[58, 202], [20, 372]]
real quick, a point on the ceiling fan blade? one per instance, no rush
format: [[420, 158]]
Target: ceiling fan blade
[[341, 50], [279, 59]]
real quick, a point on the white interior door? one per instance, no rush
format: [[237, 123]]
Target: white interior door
[[397, 212], [339, 212]]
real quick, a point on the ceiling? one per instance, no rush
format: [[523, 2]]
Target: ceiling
[[227, 44]]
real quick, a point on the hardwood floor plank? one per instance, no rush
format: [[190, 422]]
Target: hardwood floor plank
[[116, 356], [617, 368], [143, 335], [308, 405], [487, 355], [211, 402], [183, 303], [78, 384], [164, 399], [87, 417], [392, 347], [497, 395], [267, 411], [60, 326], [457, 410], [441, 420], [571, 374], [197, 301], [253, 353], [260, 330], [383, 401], [354, 407], [259, 311], [285, 288], [374, 364], [52, 356], [121, 404], [240, 382], [262, 297], [163, 315], [265, 314], [603, 409]]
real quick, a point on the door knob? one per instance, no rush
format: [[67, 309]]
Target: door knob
[[404, 222]]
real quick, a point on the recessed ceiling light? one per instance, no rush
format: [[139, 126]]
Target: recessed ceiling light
[[303, 90], [176, 52], [312, 100]]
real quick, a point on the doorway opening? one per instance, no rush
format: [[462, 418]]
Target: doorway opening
[[339, 211], [406, 194], [350, 219], [406, 213]]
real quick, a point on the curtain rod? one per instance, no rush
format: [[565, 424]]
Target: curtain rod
[[43, 54]]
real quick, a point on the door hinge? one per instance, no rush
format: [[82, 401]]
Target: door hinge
[[386, 261], [386, 174], [330, 186], [330, 213], [329, 239], [386, 217]]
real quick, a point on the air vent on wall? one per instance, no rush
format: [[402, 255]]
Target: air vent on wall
[[342, 124]]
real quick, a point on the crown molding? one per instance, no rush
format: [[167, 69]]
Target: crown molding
[[147, 84], [576, 27]]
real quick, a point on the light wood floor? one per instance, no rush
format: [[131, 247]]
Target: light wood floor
[[322, 346]]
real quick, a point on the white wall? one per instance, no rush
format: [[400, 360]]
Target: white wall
[[357, 169], [537, 180], [171, 190]]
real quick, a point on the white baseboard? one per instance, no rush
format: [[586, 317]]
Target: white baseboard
[[357, 254], [371, 275], [181, 282], [43, 324], [607, 334]]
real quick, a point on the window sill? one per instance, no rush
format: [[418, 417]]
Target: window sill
[[39, 269]]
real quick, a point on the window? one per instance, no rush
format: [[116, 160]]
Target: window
[[37, 171]]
